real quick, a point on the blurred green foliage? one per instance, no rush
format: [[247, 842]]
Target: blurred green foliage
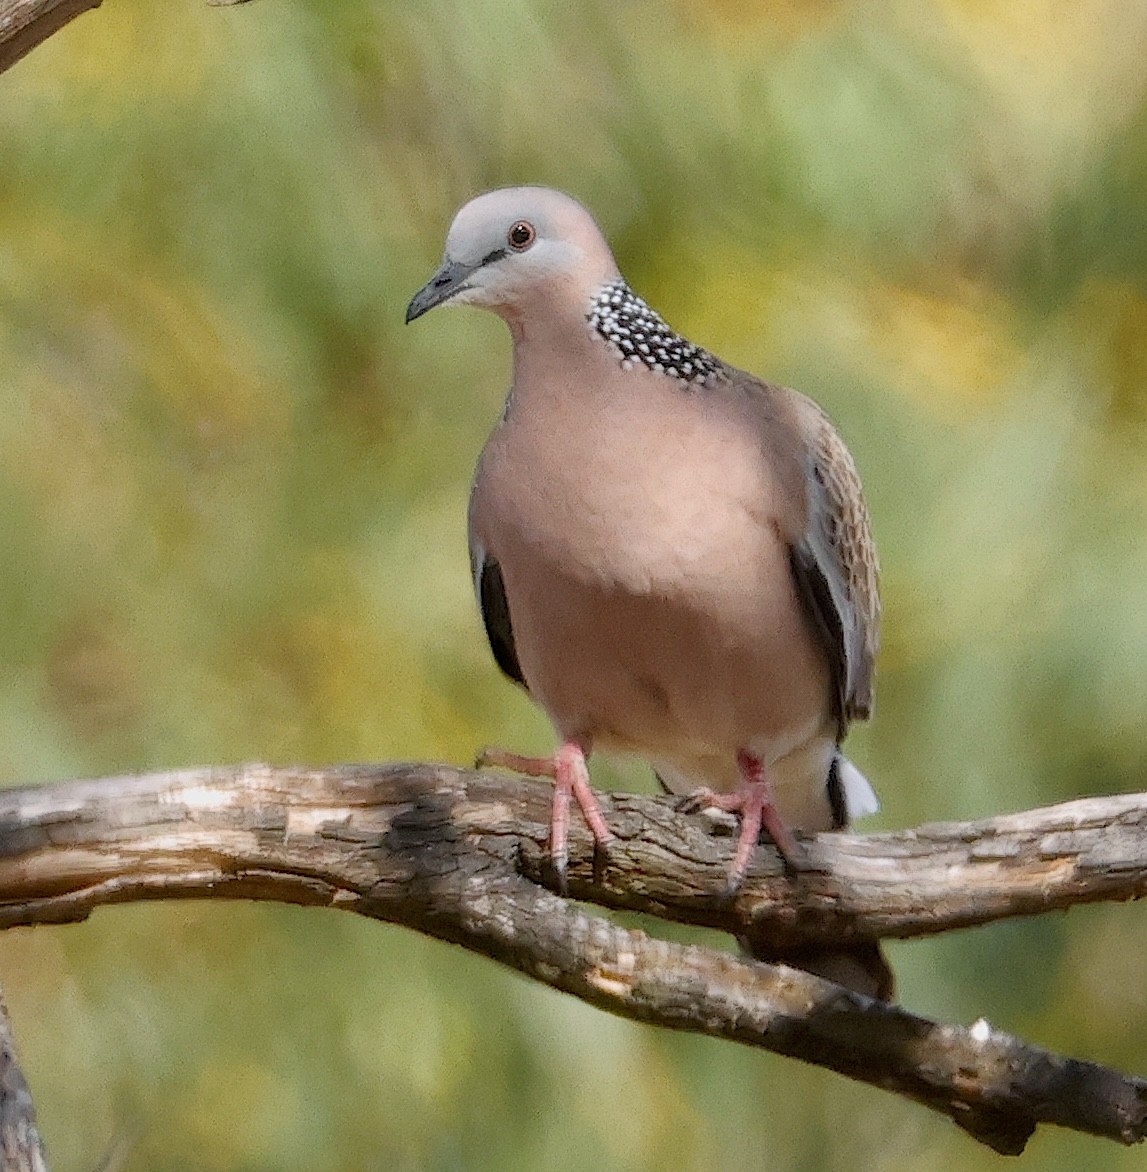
[[232, 497]]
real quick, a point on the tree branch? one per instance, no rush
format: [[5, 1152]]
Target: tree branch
[[461, 856], [25, 23]]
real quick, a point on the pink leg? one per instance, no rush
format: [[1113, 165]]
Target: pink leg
[[753, 803], [571, 781], [760, 810]]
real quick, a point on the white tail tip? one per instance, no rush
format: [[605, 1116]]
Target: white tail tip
[[859, 796]]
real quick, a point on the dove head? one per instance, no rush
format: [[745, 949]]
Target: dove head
[[519, 250]]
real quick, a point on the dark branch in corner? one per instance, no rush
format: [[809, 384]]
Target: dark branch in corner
[[24, 24], [461, 856], [20, 1149]]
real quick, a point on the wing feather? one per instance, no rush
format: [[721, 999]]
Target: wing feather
[[495, 608], [835, 566]]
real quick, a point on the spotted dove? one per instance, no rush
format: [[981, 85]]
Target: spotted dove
[[673, 557]]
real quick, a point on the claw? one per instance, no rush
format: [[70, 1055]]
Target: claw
[[700, 800]]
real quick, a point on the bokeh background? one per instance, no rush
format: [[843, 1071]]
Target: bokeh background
[[233, 487]]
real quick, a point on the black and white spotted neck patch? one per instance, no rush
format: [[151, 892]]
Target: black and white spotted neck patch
[[641, 335]]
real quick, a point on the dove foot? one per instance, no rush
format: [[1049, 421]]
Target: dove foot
[[754, 805], [570, 774]]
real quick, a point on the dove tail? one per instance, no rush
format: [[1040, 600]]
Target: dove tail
[[849, 792]]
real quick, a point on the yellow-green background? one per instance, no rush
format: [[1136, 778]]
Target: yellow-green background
[[233, 487]]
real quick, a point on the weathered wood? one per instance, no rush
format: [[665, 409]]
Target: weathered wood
[[857, 887], [461, 856]]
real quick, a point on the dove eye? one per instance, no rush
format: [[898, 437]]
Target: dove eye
[[521, 236]]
